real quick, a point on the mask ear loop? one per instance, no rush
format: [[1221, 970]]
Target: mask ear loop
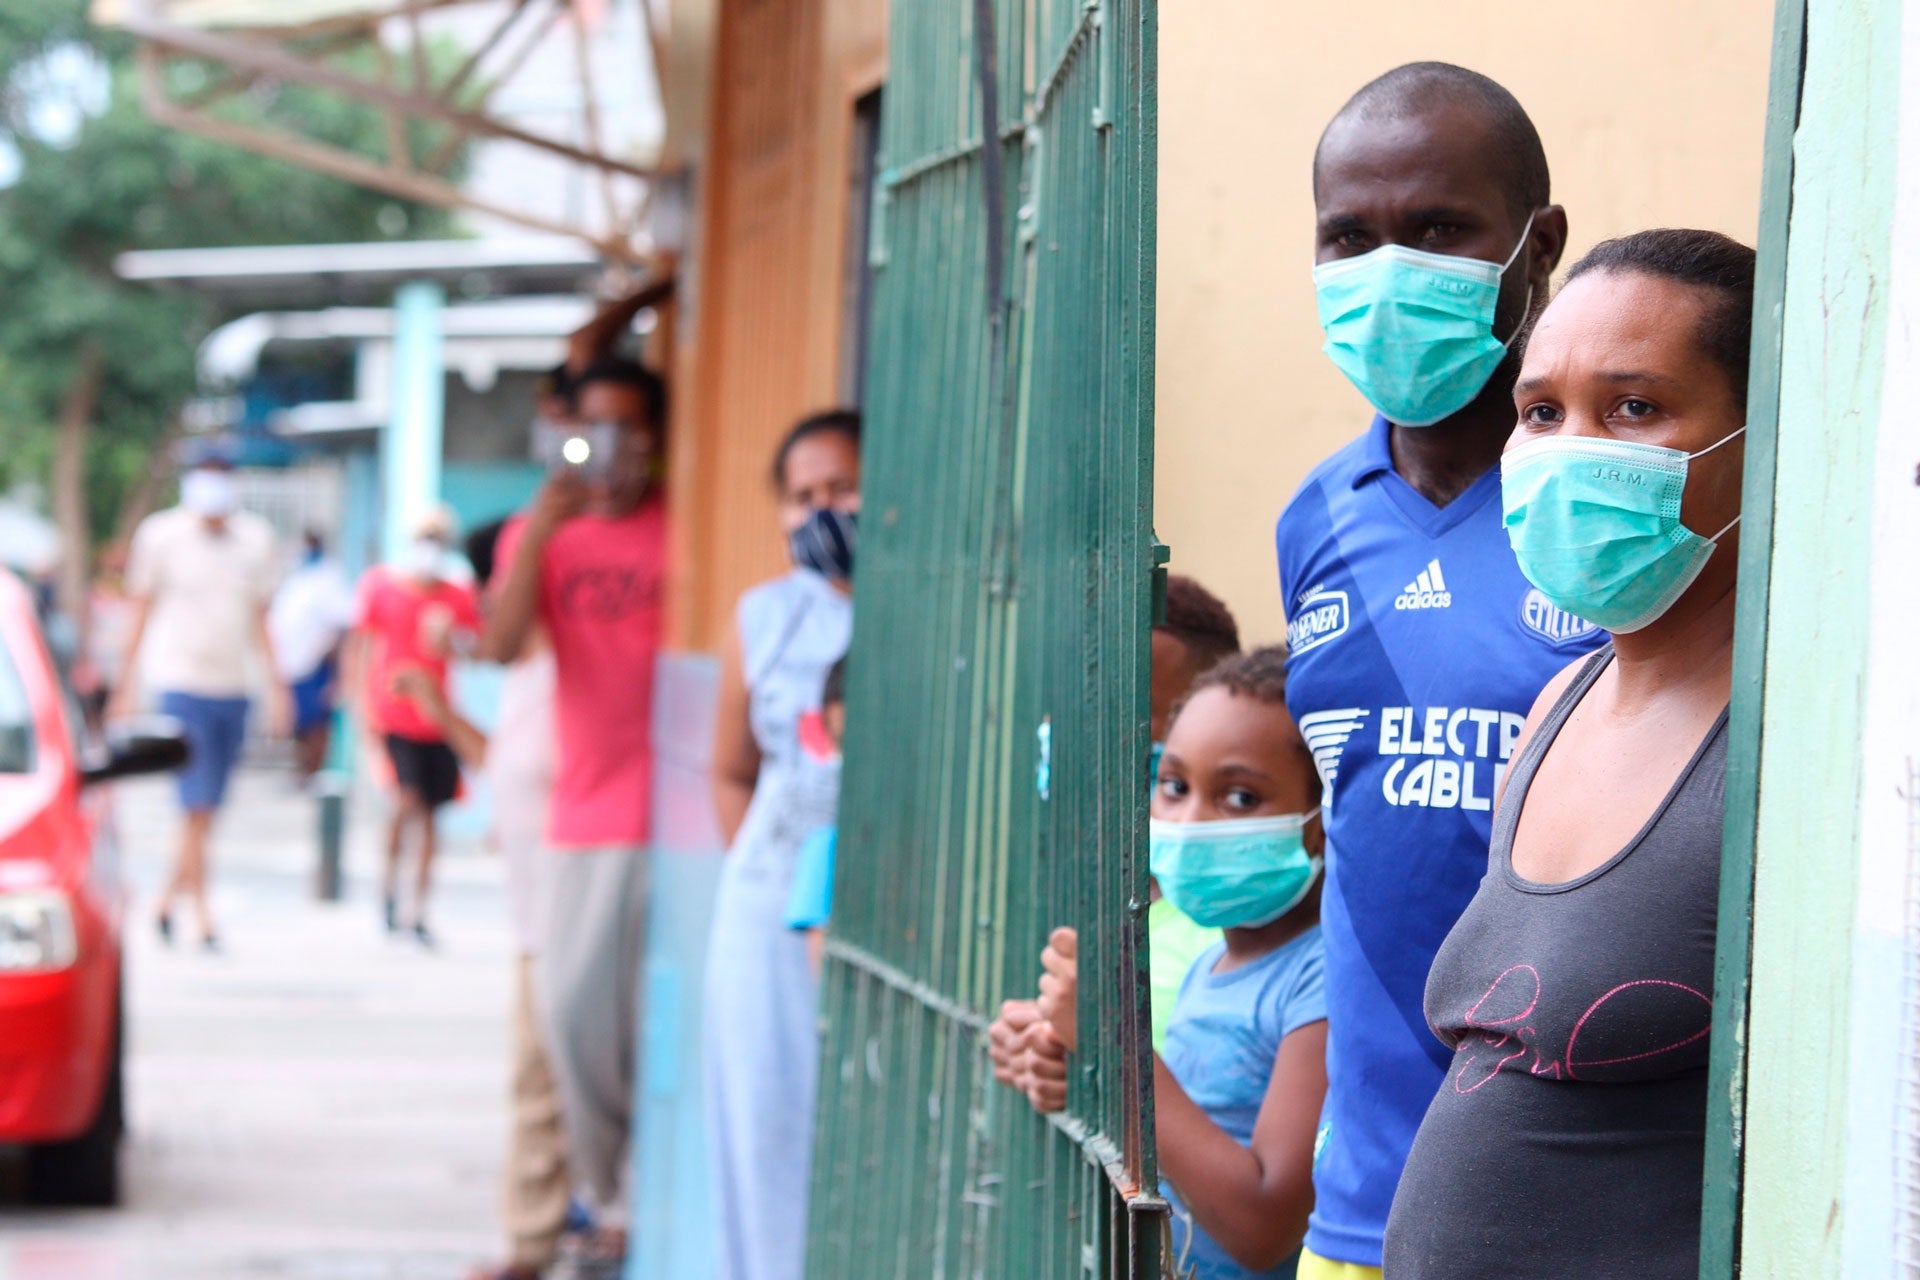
[[1521, 244], [1703, 453], [1506, 266], [1717, 443]]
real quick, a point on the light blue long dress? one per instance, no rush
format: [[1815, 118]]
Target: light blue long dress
[[762, 1044]]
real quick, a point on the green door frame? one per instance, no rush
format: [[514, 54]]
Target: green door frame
[[1809, 1172], [1720, 1220]]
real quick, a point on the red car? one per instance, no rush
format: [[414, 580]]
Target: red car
[[61, 900]]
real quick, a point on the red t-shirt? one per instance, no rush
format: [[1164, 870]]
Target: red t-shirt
[[601, 600], [408, 623]]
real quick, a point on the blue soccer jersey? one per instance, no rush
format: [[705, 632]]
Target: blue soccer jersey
[[1417, 649]]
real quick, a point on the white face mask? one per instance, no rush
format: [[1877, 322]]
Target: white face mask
[[421, 559], [208, 493]]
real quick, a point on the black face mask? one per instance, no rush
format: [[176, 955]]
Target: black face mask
[[825, 543]]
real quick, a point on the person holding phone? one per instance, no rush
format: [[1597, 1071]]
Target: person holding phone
[[587, 565]]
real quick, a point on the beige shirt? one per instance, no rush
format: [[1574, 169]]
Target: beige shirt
[[206, 591]]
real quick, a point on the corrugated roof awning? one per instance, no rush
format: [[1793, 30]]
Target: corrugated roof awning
[[326, 44], [316, 275]]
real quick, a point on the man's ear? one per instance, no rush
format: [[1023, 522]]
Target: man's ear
[[1548, 242]]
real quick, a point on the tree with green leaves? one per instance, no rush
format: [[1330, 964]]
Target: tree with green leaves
[[94, 370]]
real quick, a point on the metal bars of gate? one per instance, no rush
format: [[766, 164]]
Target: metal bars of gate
[[995, 784]]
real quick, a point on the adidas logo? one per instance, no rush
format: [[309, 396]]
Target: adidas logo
[[1428, 591]]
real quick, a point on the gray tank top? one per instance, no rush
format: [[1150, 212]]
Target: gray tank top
[[1569, 1135]]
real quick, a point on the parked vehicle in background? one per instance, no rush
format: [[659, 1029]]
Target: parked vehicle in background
[[61, 901]]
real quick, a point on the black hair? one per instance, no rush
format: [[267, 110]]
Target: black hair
[[632, 374], [1703, 260], [833, 691], [1260, 675], [1200, 621], [844, 422], [555, 382], [480, 547], [1408, 90]]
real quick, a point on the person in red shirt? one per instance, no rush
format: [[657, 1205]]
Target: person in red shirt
[[412, 616], [587, 564]]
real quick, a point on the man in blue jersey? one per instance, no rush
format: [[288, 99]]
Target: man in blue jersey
[[1417, 646]]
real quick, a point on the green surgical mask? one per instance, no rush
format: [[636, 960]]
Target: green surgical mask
[[1595, 525], [1241, 873], [1412, 330]]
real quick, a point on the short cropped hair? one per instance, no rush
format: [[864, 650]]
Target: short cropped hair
[[628, 373], [1260, 675], [1408, 90]]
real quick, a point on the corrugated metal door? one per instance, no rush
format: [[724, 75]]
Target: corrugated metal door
[[995, 781]]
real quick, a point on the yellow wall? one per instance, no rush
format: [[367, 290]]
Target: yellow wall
[[1651, 113]]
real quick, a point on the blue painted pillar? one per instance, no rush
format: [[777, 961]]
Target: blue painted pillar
[[673, 1232], [410, 448]]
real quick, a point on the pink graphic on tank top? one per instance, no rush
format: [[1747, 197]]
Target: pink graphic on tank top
[[1647, 1018]]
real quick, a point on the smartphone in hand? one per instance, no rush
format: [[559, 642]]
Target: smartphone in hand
[[586, 450]]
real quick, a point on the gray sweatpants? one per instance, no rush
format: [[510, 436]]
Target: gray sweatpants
[[590, 983]]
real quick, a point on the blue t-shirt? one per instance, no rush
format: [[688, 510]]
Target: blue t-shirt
[[810, 900], [1221, 1043], [1417, 649]]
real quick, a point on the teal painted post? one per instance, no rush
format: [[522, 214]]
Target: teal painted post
[[1805, 1048], [410, 448], [1720, 1217], [672, 1228], [359, 537], [358, 545]]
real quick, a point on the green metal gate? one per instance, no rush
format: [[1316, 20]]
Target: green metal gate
[[997, 746]]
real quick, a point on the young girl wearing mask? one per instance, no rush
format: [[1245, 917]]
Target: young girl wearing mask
[[1236, 844]]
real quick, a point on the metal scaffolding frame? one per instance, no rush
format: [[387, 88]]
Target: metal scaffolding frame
[[247, 47]]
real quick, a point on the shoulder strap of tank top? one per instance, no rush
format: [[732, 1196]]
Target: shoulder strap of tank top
[[1520, 772]]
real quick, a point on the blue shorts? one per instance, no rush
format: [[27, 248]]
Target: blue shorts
[[216, 728], [313, 698]]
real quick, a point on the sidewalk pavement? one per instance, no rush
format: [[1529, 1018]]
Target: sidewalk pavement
[[320, 1102]]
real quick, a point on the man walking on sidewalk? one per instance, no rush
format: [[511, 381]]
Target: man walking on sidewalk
[[411, 616], [201, 576]]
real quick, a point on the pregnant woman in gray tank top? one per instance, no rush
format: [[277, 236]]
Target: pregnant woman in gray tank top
[[1576, 992]]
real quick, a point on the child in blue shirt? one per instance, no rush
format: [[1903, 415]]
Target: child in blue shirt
[[810, 900], [1237, 1093]]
